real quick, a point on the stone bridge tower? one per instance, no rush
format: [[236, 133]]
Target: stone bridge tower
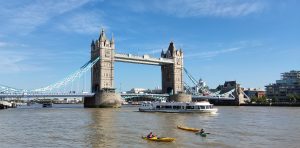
[[102, 74], [172, 75], [103, 70]]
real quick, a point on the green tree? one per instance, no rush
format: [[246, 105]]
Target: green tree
[[298, 98], [254, 99], [292, 98]]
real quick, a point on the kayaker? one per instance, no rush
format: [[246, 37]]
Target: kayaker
[[202, 131], [150, 135]]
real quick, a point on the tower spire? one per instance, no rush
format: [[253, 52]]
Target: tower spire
[[112, 41], [162, 53], [172, 48], [102, 36]]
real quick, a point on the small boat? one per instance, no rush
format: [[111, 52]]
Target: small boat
[[47, 105], [188, 128], [159, 139]]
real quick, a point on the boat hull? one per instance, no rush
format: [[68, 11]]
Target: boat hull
[[180, 111], [188, 129], [160, 139]]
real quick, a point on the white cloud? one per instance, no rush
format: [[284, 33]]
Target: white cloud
[[85, 22], [210, 54], [195, 8], [26, 59], [11, 62], [9, 44], [25, 17]]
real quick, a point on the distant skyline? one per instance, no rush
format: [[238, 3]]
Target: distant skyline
[[251, 41]]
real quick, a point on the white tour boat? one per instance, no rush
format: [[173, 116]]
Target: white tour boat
[[178, 107]]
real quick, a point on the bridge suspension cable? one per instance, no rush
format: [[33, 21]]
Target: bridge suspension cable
[[194, 81], [69, 78], [7, 89]]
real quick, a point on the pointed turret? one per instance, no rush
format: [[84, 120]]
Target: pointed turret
[[93, 45], [112, 41], [162, 53], [102, 36], [172, 48]]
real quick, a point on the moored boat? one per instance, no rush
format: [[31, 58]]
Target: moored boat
[[178, 107], [47, 105], [160, 139]]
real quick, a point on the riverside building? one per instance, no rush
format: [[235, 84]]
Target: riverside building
[[288, 85]]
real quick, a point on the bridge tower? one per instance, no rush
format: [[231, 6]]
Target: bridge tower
[[172, 75], [102, 74]]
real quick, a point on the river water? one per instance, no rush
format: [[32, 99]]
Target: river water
[[75, 126]]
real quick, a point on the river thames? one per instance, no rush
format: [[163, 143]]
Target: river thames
[[75, 126]]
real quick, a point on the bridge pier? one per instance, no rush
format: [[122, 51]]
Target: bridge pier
[[103, 99]]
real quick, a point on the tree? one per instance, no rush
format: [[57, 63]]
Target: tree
[[292, 98], [298, 98], [254, 99]]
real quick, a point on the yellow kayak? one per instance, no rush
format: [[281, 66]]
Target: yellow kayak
[[188, 128], [160, 139]]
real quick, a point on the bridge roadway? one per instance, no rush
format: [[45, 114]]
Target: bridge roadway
[[145, 59], [58, 95], [36, 95]]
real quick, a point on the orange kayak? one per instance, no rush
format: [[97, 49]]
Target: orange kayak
[[188, 128]]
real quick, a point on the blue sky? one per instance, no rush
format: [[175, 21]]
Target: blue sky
[[250, 41]]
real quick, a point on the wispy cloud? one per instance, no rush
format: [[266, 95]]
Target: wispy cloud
[[84, 22], [210, 54], [195, 8], [4, 44], [12, 62], [226, 48], [25, 17], [16, 59]]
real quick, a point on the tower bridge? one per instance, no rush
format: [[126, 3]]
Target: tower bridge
[[101, 64], [102, 73]]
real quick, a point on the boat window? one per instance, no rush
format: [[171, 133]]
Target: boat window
[[202, 107], [176, 107], [168, 107], [189, 107], [157, 106]]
